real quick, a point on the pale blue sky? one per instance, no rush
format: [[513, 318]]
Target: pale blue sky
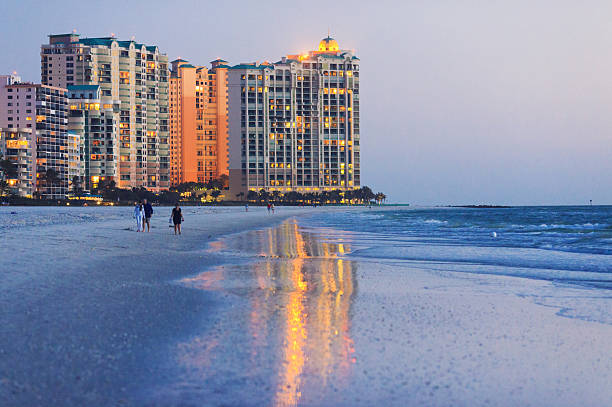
[[505, 102]]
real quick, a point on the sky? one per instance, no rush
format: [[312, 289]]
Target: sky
[[462, 102]]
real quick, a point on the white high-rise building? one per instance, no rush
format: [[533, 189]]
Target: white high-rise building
[[294, 124]]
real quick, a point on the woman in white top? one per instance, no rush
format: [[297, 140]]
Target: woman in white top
[[138, 215]]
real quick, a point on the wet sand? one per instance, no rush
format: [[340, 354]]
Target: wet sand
[[302, 323], [278, 315], [89, 311]]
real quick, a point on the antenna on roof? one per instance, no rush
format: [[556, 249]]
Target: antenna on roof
[[113, 35], [133, 37]]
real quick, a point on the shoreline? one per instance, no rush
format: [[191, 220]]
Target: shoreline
[[295, 329], [269, 309]]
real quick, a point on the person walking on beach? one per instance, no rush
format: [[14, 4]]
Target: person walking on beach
[[269, 207], [138, 215], [177, 218], [272, 208], [246, 207], [148, 212]]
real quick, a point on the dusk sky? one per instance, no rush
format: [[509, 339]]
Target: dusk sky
[[491, 102]]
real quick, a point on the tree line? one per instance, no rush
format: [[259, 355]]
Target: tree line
[[361, 195], [193, 192]]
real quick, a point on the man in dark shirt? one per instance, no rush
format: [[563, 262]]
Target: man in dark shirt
[[148, 210]]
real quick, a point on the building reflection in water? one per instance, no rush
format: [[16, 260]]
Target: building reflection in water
[[299, 296]]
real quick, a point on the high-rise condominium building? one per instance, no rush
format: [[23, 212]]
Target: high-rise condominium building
[[294, 124], [134, 74], [43, 109], [95, 119], [198, 122]]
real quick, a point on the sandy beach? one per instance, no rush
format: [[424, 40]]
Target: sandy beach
[[255, 309]]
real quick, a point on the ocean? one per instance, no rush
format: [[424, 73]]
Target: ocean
[[569, 244]]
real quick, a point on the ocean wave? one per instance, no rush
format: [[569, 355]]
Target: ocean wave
[[557, 263], [436, 221]]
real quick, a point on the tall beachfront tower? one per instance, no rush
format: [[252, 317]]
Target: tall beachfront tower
[[43, 110], [198, 122], [135, 75], [294, 124]]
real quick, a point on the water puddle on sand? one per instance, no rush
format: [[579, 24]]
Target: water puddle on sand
[[283, 336]]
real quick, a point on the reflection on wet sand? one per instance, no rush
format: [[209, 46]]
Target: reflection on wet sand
[[298, 319]]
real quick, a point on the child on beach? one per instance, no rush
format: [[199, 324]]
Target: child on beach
[[138, 215], [177, 218]]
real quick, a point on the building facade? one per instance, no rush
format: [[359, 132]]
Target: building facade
[[18, 146], [95, 120], [44, 110], [134, 74], [294, 124], [198, 122]]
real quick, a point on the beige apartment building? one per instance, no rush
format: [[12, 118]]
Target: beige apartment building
[[136, 76]]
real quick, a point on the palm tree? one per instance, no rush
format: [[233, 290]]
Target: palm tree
[[240, 195], [224, 179], [51, 179], [335, 196], [263, 195], [366, 194], [77, 188], [8, 169], [324, 197], [252, 196], [5, 188], [215, 194]]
